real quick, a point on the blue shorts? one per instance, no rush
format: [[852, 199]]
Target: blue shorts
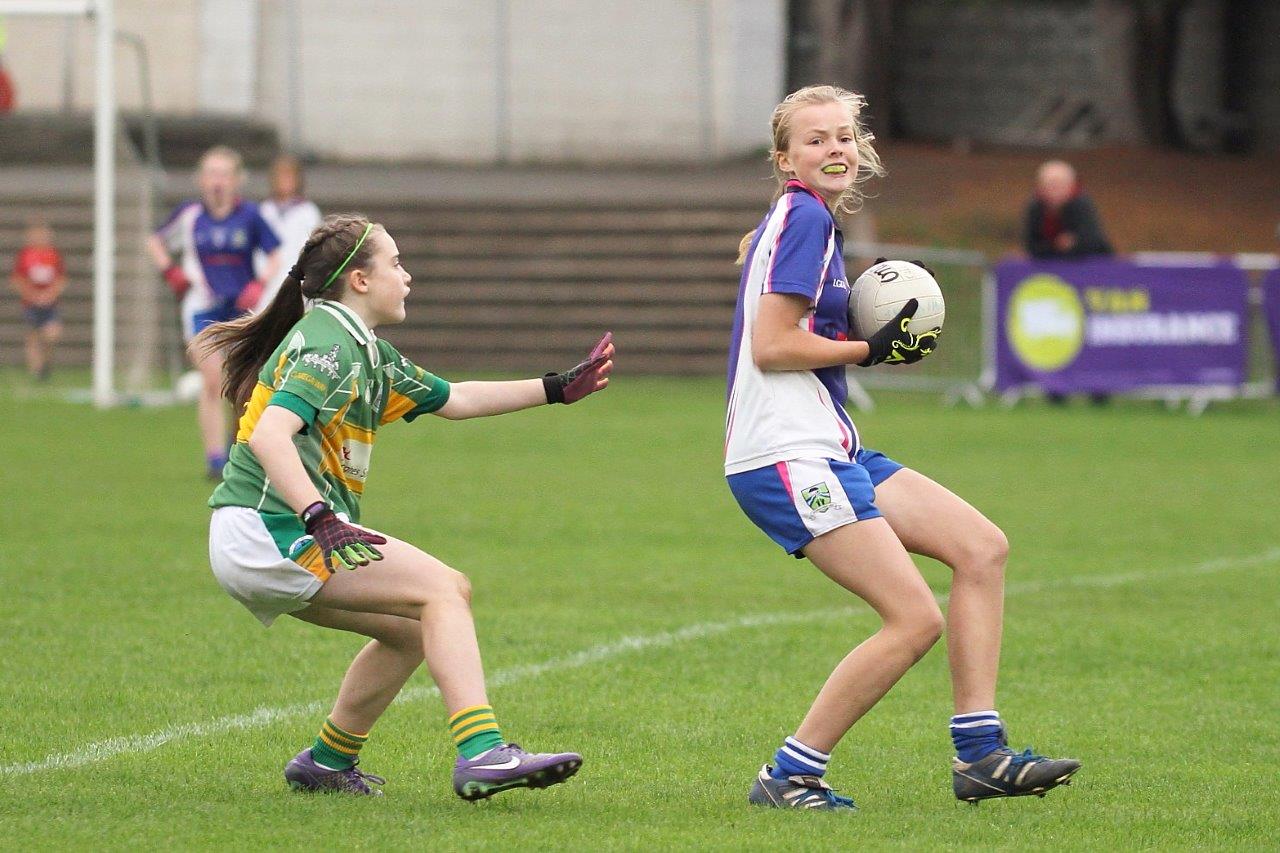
[[797, 501], [220, 313], [39, 316]]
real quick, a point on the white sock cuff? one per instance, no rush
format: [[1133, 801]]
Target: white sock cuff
[[808, 751], [975, 715]]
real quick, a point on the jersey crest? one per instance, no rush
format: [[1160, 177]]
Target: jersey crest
[[327, 363]]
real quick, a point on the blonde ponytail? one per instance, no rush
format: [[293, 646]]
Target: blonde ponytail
[[869, 165]]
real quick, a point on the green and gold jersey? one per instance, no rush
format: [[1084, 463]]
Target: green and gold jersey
[[344, 383]]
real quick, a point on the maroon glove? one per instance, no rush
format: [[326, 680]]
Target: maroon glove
[[248, 298], [341, 544], [177, 280], [586, 378]]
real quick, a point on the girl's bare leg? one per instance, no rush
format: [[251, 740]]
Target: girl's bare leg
[[211, 411], [412, 584], [933, 521], [379, 671], [867, 559]]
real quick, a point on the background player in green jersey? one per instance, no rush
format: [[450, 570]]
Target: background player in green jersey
[[314, 388]]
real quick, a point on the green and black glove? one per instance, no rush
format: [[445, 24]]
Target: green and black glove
[[893, 344]]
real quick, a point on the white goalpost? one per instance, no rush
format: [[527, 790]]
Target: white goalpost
[[102, 12]]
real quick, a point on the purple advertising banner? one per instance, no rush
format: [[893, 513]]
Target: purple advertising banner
[[1271, 307], [1109, 325]]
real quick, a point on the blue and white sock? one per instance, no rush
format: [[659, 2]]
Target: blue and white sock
[[795, 759], [976, 734]]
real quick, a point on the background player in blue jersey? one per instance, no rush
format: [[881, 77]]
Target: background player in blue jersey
[[214, 240], [797, 467]]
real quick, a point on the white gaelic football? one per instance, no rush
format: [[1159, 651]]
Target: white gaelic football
[[880, 292]]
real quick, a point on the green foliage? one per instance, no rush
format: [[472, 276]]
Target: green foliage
[[583, 526]]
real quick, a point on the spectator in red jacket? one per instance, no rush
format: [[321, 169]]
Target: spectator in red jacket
[[38, 277], [1063, 224]]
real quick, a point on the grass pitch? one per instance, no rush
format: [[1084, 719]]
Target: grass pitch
[[628, 610]]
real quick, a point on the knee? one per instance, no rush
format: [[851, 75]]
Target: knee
[[463, 584], [442, 585], [928, 628], [920, 627], [983, 554]]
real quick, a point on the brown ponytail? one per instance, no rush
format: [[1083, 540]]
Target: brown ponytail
[[249, 341]]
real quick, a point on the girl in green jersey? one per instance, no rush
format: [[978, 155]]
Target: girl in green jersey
[[314, 386]]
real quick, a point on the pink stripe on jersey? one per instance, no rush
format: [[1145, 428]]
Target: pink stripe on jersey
[[773, 250], [822, 280], [846, 437], [785, 473]]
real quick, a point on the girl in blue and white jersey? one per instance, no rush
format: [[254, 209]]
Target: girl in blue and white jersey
[[797, 466], [206, 251]]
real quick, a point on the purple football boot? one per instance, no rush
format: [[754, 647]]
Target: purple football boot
[[509, 766], [303, 774]]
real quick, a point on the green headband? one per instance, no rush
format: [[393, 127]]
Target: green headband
[[342, 266]]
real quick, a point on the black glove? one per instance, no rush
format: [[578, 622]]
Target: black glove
[[893, 344]]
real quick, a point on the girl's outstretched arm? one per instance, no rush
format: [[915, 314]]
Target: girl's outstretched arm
[[480, 399]]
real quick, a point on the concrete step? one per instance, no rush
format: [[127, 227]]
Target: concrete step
[[590, 221], [616, 268], [520, 287], [516, 294], [554, 245], [566, 341], [35, 137], [78, 237]]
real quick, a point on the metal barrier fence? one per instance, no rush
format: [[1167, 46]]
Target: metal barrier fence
[[963, 368], [957, 369]]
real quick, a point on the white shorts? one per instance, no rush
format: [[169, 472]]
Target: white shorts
[[249, 566]]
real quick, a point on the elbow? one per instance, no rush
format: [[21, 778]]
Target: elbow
[[255, 443], [258, 440], [766, 355]]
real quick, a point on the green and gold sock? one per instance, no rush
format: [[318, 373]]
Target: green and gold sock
[[475, 730], [335, 748]]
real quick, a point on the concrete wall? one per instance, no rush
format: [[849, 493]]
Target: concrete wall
[[171, 29], [972, 69], [473, 81], [1262, 99], [1198, 78], [530, 80]]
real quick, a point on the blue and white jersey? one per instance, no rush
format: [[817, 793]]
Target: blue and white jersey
[[217, 254], [780, 415]]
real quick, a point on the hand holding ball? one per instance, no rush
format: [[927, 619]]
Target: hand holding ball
[[897, 308]]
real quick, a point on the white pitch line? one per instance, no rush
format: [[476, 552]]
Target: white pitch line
[[103, 750]]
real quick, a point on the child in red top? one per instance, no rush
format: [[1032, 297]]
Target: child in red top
[[38, 278]]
